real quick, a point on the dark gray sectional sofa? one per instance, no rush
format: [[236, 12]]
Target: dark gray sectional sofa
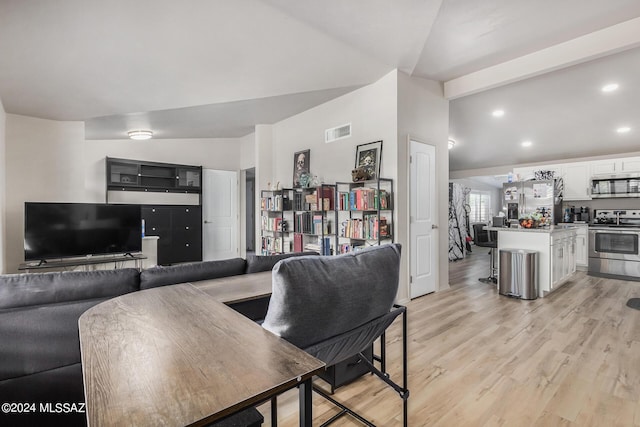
[[39, 344]]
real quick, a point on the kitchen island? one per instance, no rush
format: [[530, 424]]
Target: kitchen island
[[556, 247]]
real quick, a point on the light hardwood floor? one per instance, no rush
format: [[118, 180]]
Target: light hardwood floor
[[477, 358]]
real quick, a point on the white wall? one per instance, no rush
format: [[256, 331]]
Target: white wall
[[247, 161], [3, 168], [247, 151], [51, 161], [44, 163], [371, 110], [389, 110], [423, 114], [263, 156]]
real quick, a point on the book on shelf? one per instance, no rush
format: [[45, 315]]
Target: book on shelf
[[317, 224], [346, 248], [363, 198], [369, 227], [273, 203], [311, 202], [321, 246], [297, 242], [299, 202], [383, 227], [324, 198], [326, 246], [271, 245], [311, 223], [273, 224]]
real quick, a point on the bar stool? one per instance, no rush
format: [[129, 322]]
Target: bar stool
[[486, 239]]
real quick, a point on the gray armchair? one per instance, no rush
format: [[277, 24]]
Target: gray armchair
[[336, 307]]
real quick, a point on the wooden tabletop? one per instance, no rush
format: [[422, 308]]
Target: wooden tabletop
[[175, 356], [239, 288]]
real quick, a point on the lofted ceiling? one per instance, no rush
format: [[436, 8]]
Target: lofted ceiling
[[201, 68]]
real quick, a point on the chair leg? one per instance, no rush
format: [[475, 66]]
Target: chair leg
[[343, 410], [402, 391], [493, 279]]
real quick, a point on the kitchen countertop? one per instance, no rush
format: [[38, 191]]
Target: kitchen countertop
[[549, 229]]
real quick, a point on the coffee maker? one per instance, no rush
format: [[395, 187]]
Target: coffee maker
[[584, 214], [576, 214]]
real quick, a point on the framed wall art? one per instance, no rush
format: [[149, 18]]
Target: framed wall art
[[368, 157], [301, 176]]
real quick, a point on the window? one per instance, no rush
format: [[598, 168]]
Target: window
[[480, 203]]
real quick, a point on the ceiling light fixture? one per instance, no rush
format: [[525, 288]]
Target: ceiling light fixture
[[498, 113], [140, 134], [623, 129], [610, 87], [527, 143], [451, 143]]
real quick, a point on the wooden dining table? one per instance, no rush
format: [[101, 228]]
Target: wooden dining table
[[177, 355]]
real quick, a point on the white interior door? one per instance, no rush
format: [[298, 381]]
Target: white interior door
[[422, 229], [221, 225]]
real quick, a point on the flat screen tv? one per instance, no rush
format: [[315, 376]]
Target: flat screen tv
[[63, 230]]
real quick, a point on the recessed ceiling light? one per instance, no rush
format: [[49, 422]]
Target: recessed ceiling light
[[610, 87], [527, 143], [451, 143], [140, 134], [623, 129], [498, 113]]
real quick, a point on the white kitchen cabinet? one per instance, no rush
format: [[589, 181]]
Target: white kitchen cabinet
[[577, 183], [557, 263], [556, 249], [576, 178], [603, 167], [582, 245], [630, 165], [563, 257], [570, 266], [613, 166]]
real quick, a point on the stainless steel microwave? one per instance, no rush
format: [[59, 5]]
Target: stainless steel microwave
[[603, 186]]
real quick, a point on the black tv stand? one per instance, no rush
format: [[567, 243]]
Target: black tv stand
[[86, 261]]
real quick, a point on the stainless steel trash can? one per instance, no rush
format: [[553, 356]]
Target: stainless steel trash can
[[518, 273]]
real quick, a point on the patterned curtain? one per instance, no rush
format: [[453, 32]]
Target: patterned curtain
[[457, 222]]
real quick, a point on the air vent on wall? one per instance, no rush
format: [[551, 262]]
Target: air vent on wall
[[337, 133]]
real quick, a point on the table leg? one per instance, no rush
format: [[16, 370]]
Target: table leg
[[306, 416], [274, 411]]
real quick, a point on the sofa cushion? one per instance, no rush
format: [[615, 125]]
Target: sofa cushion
[[315, 298], [21, 290], [258, 263], [191, 272], [60, 385], [40, 338]]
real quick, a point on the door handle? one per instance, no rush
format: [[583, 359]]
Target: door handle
[[433, 226], [207, 222]]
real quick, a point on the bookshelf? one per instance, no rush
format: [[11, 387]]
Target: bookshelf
[[275, 222], [298, 220], [315, 219], [365, 214]]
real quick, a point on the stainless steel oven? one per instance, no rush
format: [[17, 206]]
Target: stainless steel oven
[[614, 250]]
